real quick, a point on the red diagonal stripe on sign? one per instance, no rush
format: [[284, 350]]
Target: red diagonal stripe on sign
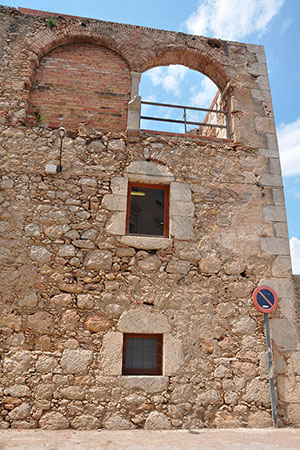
[[268, 301]]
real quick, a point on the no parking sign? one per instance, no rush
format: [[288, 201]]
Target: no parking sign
[[265, 299]]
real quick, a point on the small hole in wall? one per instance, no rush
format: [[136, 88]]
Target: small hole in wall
[[243, 274], [148, 303]]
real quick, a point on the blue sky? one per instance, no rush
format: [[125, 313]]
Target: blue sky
[[272, 23]]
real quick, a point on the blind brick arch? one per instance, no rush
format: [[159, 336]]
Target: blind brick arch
[[81, 83]]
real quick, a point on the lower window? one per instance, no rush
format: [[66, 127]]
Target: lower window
[[147, 210], [142, 354]]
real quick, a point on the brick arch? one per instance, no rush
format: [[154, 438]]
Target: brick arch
[[199, 61], [80, 82]]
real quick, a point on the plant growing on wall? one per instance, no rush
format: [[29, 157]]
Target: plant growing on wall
[[38, 116], [51, 22]]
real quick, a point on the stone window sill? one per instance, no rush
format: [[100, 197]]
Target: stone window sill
[[149, 383], [146, 242]]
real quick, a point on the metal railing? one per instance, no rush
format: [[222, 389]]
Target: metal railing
[[185, 122]]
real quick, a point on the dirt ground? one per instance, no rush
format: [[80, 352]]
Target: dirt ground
[[237, 439]]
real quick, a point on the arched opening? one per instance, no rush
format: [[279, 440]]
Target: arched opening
[[181, 100], [80, 83]]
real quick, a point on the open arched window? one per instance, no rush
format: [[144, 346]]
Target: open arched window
[[180, 100]]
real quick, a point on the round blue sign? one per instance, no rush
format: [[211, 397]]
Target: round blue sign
[[265, 299]]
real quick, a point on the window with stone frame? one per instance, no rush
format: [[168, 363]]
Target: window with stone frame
[[142, 354], [147, 210]]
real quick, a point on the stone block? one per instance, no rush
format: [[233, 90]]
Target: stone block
[[260, 419], [244, 326], [258, 69], [76, 361], [281, 230], [258, 392], [143, 321], [263, 83], [261, 95], [275, 246], [209, 265], [73, 393], [117, 223], [268, 179], [97, 323], [53, 421], [289, 340], [282, 267], [149, 384], [157, 421], [178, 266], [278, 196], [98, 260], [182, 228], [17, 362], [173, 356], [66, 251], [264, 124], [117, 422], [40, 254], [144, 171], [86, 422], [274, 213], [269, 153], [179, 208], [119, 185], [295, 361], [116, 145], [46, 364], [146, 242], [272, 142], [40, 322], [85, 301], [112, 353], [114, 202], [85, 181], [32, 229], [275, 167], [19, 390], [61, 300], [180, 192], [149, 264], [293, 412], [20, 412]]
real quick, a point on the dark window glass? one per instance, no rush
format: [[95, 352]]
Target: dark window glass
[[142, 354], [147, 210]]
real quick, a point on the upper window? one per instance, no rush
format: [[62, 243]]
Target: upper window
[[147, 210], [142, 354]]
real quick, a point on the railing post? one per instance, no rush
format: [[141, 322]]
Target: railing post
[[228, 127], [184, 117]]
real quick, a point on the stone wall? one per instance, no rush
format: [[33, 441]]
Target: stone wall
[[72, 282]]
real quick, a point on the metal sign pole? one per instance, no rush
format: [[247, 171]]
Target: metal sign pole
[[270, 369]]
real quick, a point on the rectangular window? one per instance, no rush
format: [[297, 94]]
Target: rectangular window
[[142, 354], [148, 210]]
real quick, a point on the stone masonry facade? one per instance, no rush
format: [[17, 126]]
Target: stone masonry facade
[[72, 281]]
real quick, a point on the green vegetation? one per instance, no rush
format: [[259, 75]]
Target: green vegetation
[[38, 116], [51, 22]]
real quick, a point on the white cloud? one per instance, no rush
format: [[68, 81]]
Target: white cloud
[[289, 147], [295, 253], [204, 97], [232, 19], [168, 77]]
